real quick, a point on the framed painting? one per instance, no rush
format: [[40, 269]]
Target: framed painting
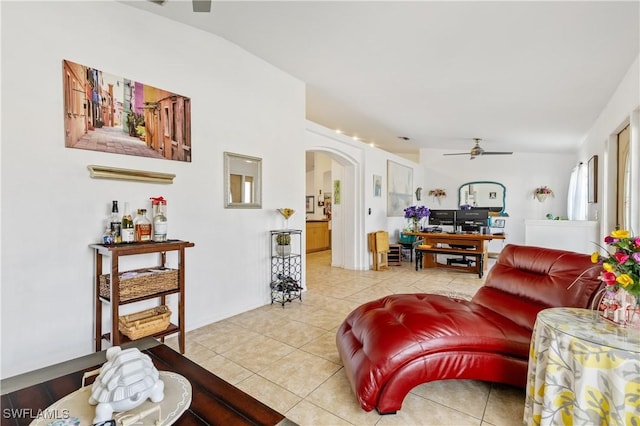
[[399, 188], [377, 186], [592, 176], [310, 204], [336, 192], [109, 113]]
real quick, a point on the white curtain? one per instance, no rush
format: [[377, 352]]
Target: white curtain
[[577, 198]]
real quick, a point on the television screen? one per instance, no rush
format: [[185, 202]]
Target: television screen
[[442, 217]]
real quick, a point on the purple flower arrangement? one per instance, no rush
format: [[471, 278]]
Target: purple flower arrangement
[[416, 212]]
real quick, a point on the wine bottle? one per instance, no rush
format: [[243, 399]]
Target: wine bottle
[[115, 223], [142, 226], [128, 231], [160, 223]]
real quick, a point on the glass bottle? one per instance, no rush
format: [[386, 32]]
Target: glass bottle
[[142, 226], [128, 231], [160, 223], [115, 223]]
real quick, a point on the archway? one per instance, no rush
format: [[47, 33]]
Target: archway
[[348, 240]]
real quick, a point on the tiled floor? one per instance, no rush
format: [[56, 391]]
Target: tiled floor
[[287, 358]]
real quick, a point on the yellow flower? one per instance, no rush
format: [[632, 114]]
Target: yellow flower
[[620, 233], [607, 267], [595, 257], [624, 280]]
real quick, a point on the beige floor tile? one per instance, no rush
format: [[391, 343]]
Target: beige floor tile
[[417, 411], [269, 393], [450, 393], [324, 346], [505, 405], [193, 350], [262, 352], [335, 396], [226, 369], [307, 414], [226, 336], [295, 333], [300, 372]]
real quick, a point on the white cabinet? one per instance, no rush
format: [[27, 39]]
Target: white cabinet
[[581, 236]]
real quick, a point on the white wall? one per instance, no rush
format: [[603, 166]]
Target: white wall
[[52, 209], [622, 109]]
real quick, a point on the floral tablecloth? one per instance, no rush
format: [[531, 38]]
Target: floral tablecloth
[[582, 371]]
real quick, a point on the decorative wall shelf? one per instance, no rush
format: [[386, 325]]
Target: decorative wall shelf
[[106, 172]]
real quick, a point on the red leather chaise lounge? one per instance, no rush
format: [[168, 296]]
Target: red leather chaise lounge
[[390, 345]]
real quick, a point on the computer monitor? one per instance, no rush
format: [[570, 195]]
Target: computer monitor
[[442, 217], [472, 220]]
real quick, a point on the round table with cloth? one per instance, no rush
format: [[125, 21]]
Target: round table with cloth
[[582, 370]]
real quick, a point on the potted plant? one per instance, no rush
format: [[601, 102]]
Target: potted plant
[[283, 244], [541, 193]]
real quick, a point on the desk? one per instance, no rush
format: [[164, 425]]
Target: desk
[[214, 401], [479, 241], [582, 370]]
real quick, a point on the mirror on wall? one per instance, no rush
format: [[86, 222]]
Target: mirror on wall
[[242, 181], [483, 194]]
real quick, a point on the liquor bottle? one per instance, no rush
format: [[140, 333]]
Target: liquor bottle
[[115, 223], [142, 226], [160, 223], [128, 231]]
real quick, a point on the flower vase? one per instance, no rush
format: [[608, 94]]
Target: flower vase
[[415, 225], [621, 308], [439, 199], [541, 197]]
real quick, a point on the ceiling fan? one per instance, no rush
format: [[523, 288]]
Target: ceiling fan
[[198, 5], [477, 151]]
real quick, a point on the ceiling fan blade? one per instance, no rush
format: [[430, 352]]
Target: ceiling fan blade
[[201, 5], [459, 153], [497, 153]]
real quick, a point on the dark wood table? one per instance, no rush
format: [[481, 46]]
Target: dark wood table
[[214, 401]]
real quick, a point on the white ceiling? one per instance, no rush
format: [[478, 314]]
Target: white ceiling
[[523, 76]]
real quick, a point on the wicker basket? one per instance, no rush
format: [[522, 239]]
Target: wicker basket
[[145, 323], [141, 282]]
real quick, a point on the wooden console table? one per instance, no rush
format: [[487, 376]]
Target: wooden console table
[[214, 401], [440, 243]]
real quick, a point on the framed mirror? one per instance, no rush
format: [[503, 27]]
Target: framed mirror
[[242, 181], [483, 194]]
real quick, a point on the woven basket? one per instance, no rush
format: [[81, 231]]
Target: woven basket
[[145, 323], [141, 282]]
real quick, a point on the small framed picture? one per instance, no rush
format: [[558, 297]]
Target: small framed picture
[[377, 186], [310, 204], [497, 223], [492, 195]]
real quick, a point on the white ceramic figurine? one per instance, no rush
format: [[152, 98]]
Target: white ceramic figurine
[[125, 381]]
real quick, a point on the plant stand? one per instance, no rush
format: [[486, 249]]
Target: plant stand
[[286, 267]]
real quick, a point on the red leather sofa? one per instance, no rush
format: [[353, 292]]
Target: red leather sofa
[[390, 345]]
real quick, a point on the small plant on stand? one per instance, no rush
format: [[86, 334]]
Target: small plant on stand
[[283, 244]]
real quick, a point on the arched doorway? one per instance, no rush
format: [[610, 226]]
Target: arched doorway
[[348, 239]]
